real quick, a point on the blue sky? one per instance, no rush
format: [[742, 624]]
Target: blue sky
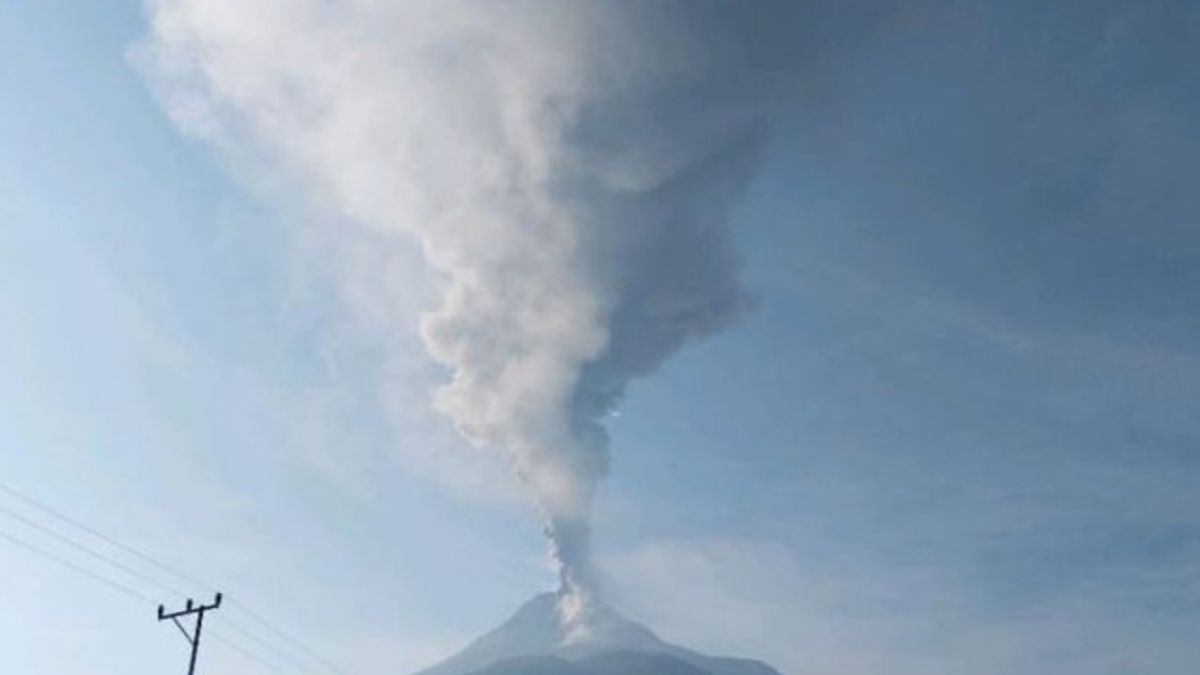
[[958, 432]]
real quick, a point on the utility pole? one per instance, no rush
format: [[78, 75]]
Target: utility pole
[[193, 638]]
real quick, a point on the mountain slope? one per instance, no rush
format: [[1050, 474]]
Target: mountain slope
[[534, 641]]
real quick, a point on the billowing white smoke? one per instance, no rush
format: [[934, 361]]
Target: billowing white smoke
[[567, 166]]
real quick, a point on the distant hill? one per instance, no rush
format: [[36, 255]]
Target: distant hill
[[534, 642]]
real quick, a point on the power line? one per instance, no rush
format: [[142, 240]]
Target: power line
[[306, 667], [248, 654], [287, 638], [178, 574], [78, 568], [98, 556], [143, 577], [173, 571], [122, 588], [103, 537]]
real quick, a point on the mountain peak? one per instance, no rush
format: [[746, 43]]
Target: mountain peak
[[590, 639]]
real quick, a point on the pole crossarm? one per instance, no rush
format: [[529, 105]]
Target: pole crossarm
[[189, 608]]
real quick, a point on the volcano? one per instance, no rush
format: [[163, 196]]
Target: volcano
[[536, 641]]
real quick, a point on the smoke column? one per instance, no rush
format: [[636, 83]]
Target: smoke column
[[567, 169]]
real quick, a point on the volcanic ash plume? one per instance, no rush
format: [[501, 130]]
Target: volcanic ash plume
[[567, 169]]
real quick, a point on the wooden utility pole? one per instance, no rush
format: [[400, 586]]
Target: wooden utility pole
[[193, 638]]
